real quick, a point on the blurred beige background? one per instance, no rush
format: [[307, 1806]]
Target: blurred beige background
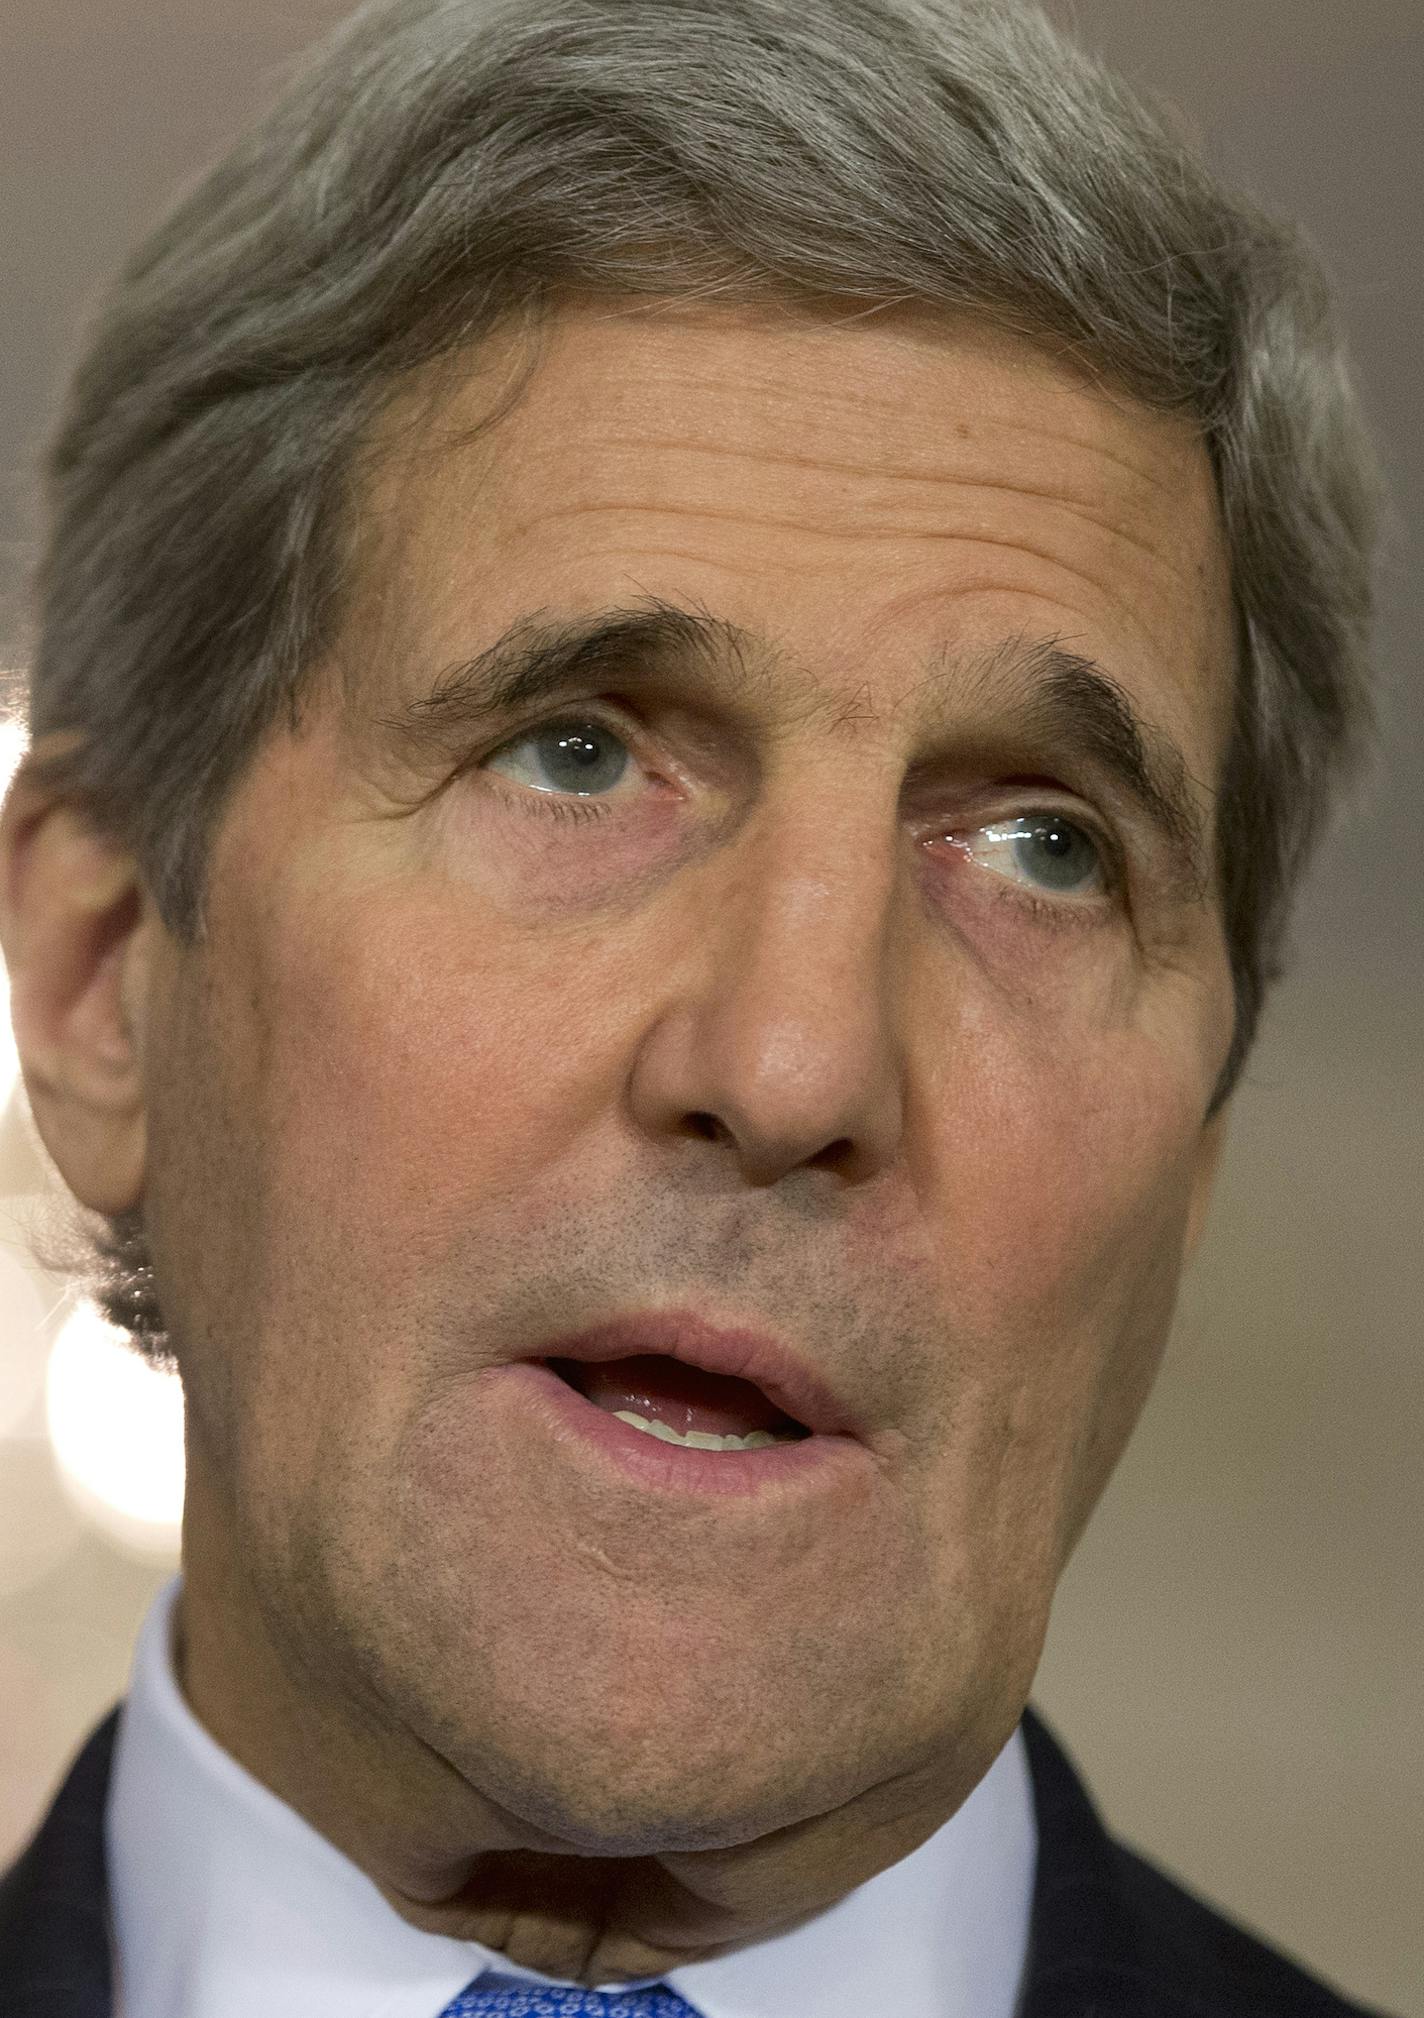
[[1236, 1653]]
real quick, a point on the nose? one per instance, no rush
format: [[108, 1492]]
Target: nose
[[780, 1036]]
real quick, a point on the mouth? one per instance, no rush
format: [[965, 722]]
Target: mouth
[[681, 1403], [674, 1375]]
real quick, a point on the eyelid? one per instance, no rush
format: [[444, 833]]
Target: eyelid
[[603, 714], [1040, 806], [1060, 909]]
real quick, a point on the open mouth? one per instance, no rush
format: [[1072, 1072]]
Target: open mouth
[[683, 1404]]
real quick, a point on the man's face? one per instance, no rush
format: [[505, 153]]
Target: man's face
[[784, 1021]]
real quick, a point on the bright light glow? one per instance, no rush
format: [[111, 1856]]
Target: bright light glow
[[39, 1529], [9, 1057], [22, 1329], [13, 744], [117, 1430]]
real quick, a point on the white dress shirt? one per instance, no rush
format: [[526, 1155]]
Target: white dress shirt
[[226, 1904]]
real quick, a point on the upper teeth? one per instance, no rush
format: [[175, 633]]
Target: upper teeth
[[701, 1439]]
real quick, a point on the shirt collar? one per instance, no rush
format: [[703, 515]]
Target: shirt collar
[[226, 1902]]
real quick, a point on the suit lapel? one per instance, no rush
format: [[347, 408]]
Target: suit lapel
[[1085, 1943], [54, 1903]]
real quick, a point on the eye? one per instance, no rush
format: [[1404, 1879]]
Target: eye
[[1045, 851], [570, 756]]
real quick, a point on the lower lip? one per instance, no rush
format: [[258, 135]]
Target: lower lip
[[670, 1467]]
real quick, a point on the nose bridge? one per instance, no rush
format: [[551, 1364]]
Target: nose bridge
[[808, 921], [790, 1040]]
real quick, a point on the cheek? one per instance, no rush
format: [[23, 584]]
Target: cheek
[[422, 1072], [1066, 1183], [1066, 1161], [402, 1090]]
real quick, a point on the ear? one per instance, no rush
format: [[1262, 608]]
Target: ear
[[77, 928], [1213, 1140]]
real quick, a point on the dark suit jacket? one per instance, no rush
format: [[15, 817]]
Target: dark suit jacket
[[1111, 1937]]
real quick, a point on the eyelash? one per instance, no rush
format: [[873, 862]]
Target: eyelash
[[564, 809], [1067, 915]]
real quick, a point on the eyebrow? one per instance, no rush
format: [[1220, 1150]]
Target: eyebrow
[[1069, 702], [1052, 696]]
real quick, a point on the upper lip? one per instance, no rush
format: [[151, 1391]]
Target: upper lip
[[797, 1389]]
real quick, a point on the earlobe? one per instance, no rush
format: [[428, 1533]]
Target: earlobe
[[74, 924]]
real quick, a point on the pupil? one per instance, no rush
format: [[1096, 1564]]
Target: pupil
[[1059, 854], [585, 759]]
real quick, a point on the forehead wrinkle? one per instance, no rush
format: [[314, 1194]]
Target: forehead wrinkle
[[856, 534], [935, 417], [844, 465], [1075, 505], [607, 423], [1014, 435], [778, 522]]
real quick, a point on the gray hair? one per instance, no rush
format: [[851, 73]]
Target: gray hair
[[443, 166]]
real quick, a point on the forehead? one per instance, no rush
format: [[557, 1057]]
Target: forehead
[[853, 490]]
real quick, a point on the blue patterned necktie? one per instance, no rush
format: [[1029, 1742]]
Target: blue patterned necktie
[[552, 2000]]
